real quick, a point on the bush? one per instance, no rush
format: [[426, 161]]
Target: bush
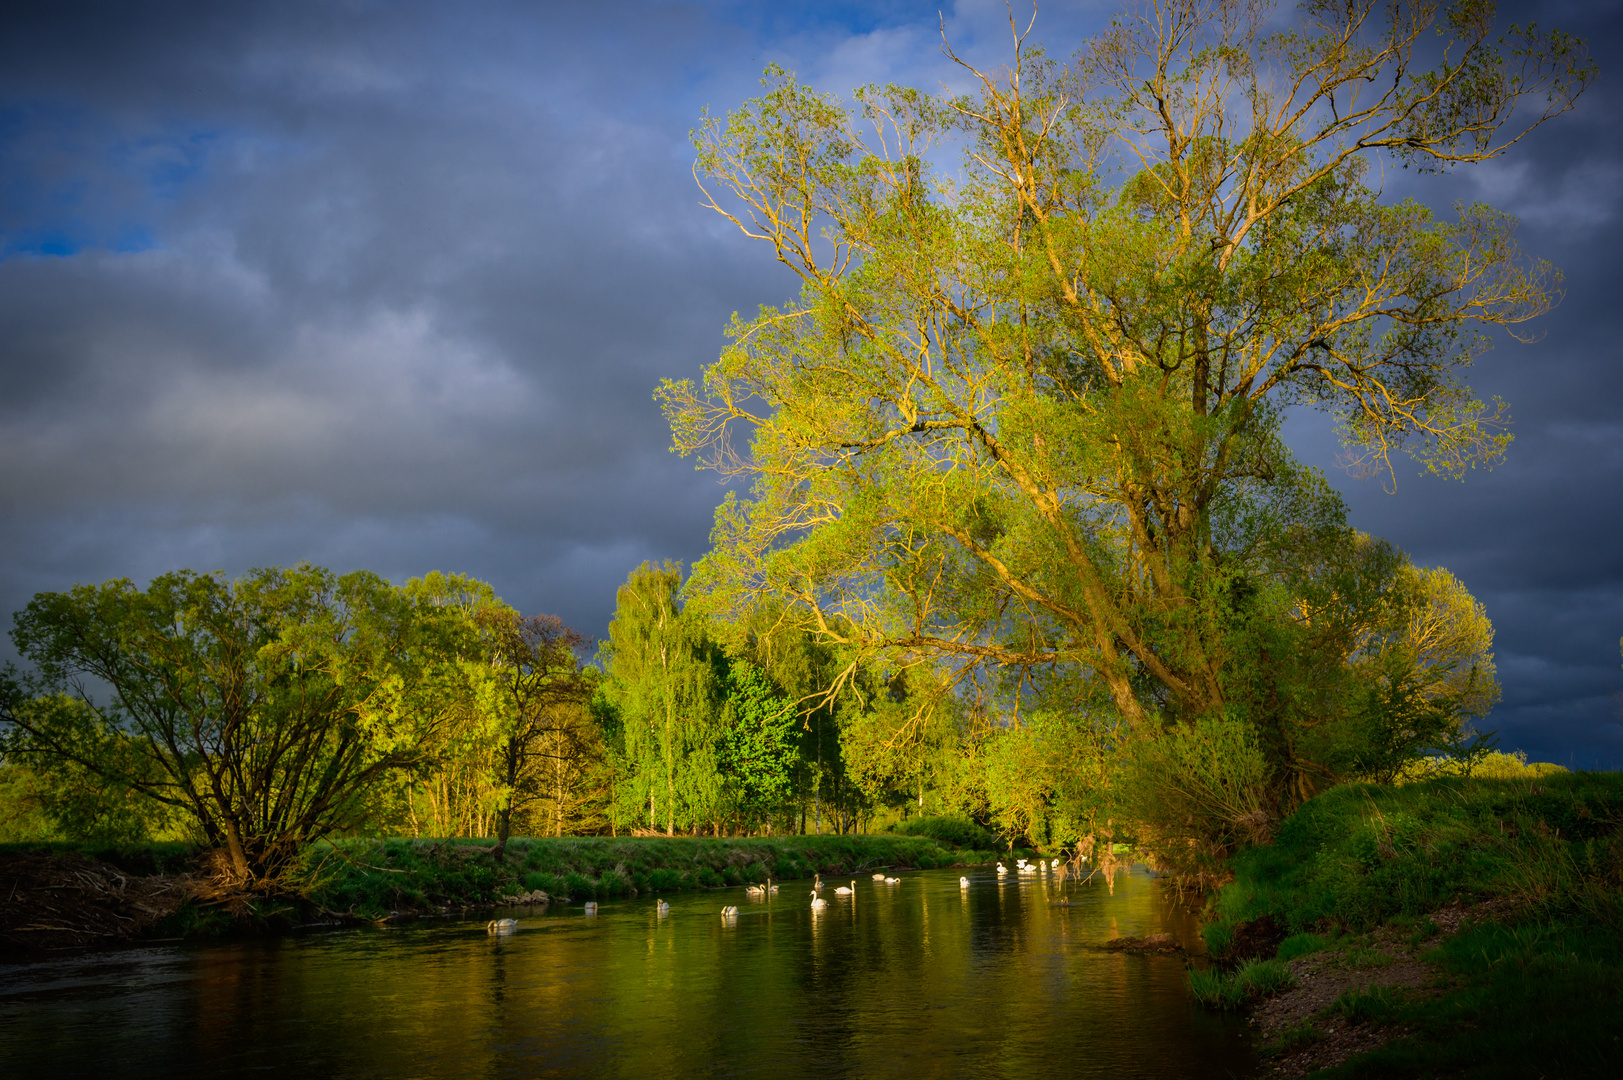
[[959, 830], [1198, 790]]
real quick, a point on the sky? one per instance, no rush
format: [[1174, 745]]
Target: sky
[[390, 286]]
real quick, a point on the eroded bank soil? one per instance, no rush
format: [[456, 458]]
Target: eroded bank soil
[[1316, 1037]]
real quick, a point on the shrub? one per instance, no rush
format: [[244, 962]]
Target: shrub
[[959, 830], [1198, 790]]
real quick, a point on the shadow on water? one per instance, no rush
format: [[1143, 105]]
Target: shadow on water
[[920, 978]]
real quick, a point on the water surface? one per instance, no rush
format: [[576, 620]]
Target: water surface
[[921, 978]]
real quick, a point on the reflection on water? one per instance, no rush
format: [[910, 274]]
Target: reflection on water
[[919, 978]]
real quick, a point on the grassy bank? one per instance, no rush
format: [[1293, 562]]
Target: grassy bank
[[1501, 900], [371, 878], [60, 894]]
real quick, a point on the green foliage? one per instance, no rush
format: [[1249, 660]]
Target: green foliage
[[1294, 1038], [259, 711], [665, 686], [1022, 426], [758, 741], [144, 857], [959, 830], [1216, 988], [372, 878], [1199, 789]]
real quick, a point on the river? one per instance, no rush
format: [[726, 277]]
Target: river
[[921, 978]]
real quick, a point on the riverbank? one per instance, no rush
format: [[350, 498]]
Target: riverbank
[[57, 895], [1458, 926], [391, 878]]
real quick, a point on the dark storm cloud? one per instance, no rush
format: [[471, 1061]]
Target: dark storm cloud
[[365, 284], [1537, 538], [390, 285]]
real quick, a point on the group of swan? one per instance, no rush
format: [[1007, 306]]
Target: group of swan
[[662, 908]]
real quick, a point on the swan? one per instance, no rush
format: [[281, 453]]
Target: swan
[[591, 907], [771, 889], [893, 881], [1001, 869], [879, 877], [963, 883], [818, 903], [756, 891], [729, 912], [661, 908], [502, 926], [844, 891]]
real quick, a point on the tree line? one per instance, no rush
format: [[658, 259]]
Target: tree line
[[1016, 532]]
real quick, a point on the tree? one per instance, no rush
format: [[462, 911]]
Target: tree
[[664, 682], [534, 674], [261, 709], [758, 741], [1028, 417]]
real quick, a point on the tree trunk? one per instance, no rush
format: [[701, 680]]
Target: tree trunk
[[234, 848]]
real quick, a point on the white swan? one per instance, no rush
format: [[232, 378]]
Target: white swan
[[771, 889], [879, 877], [591, 907], [963, 883], [502, 926], [661, 908], [757, 891], [893, 881], [729, 912], [818, 903], [846, 891], [1001, 869]]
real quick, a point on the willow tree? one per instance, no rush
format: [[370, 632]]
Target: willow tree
[[1027, 412], [263, 712], [663, 680]]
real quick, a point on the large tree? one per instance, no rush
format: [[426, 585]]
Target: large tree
[[1029, 413], [261, 709]]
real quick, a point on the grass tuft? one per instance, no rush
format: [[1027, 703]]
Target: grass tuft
[[1228, 990]]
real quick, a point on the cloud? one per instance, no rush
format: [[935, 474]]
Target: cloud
[[391, 286]]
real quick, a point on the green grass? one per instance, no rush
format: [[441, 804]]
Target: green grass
[[1301, 945], [1216, 988], [155, 857], [1359, 855], [372, 878], [1539, 993]]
